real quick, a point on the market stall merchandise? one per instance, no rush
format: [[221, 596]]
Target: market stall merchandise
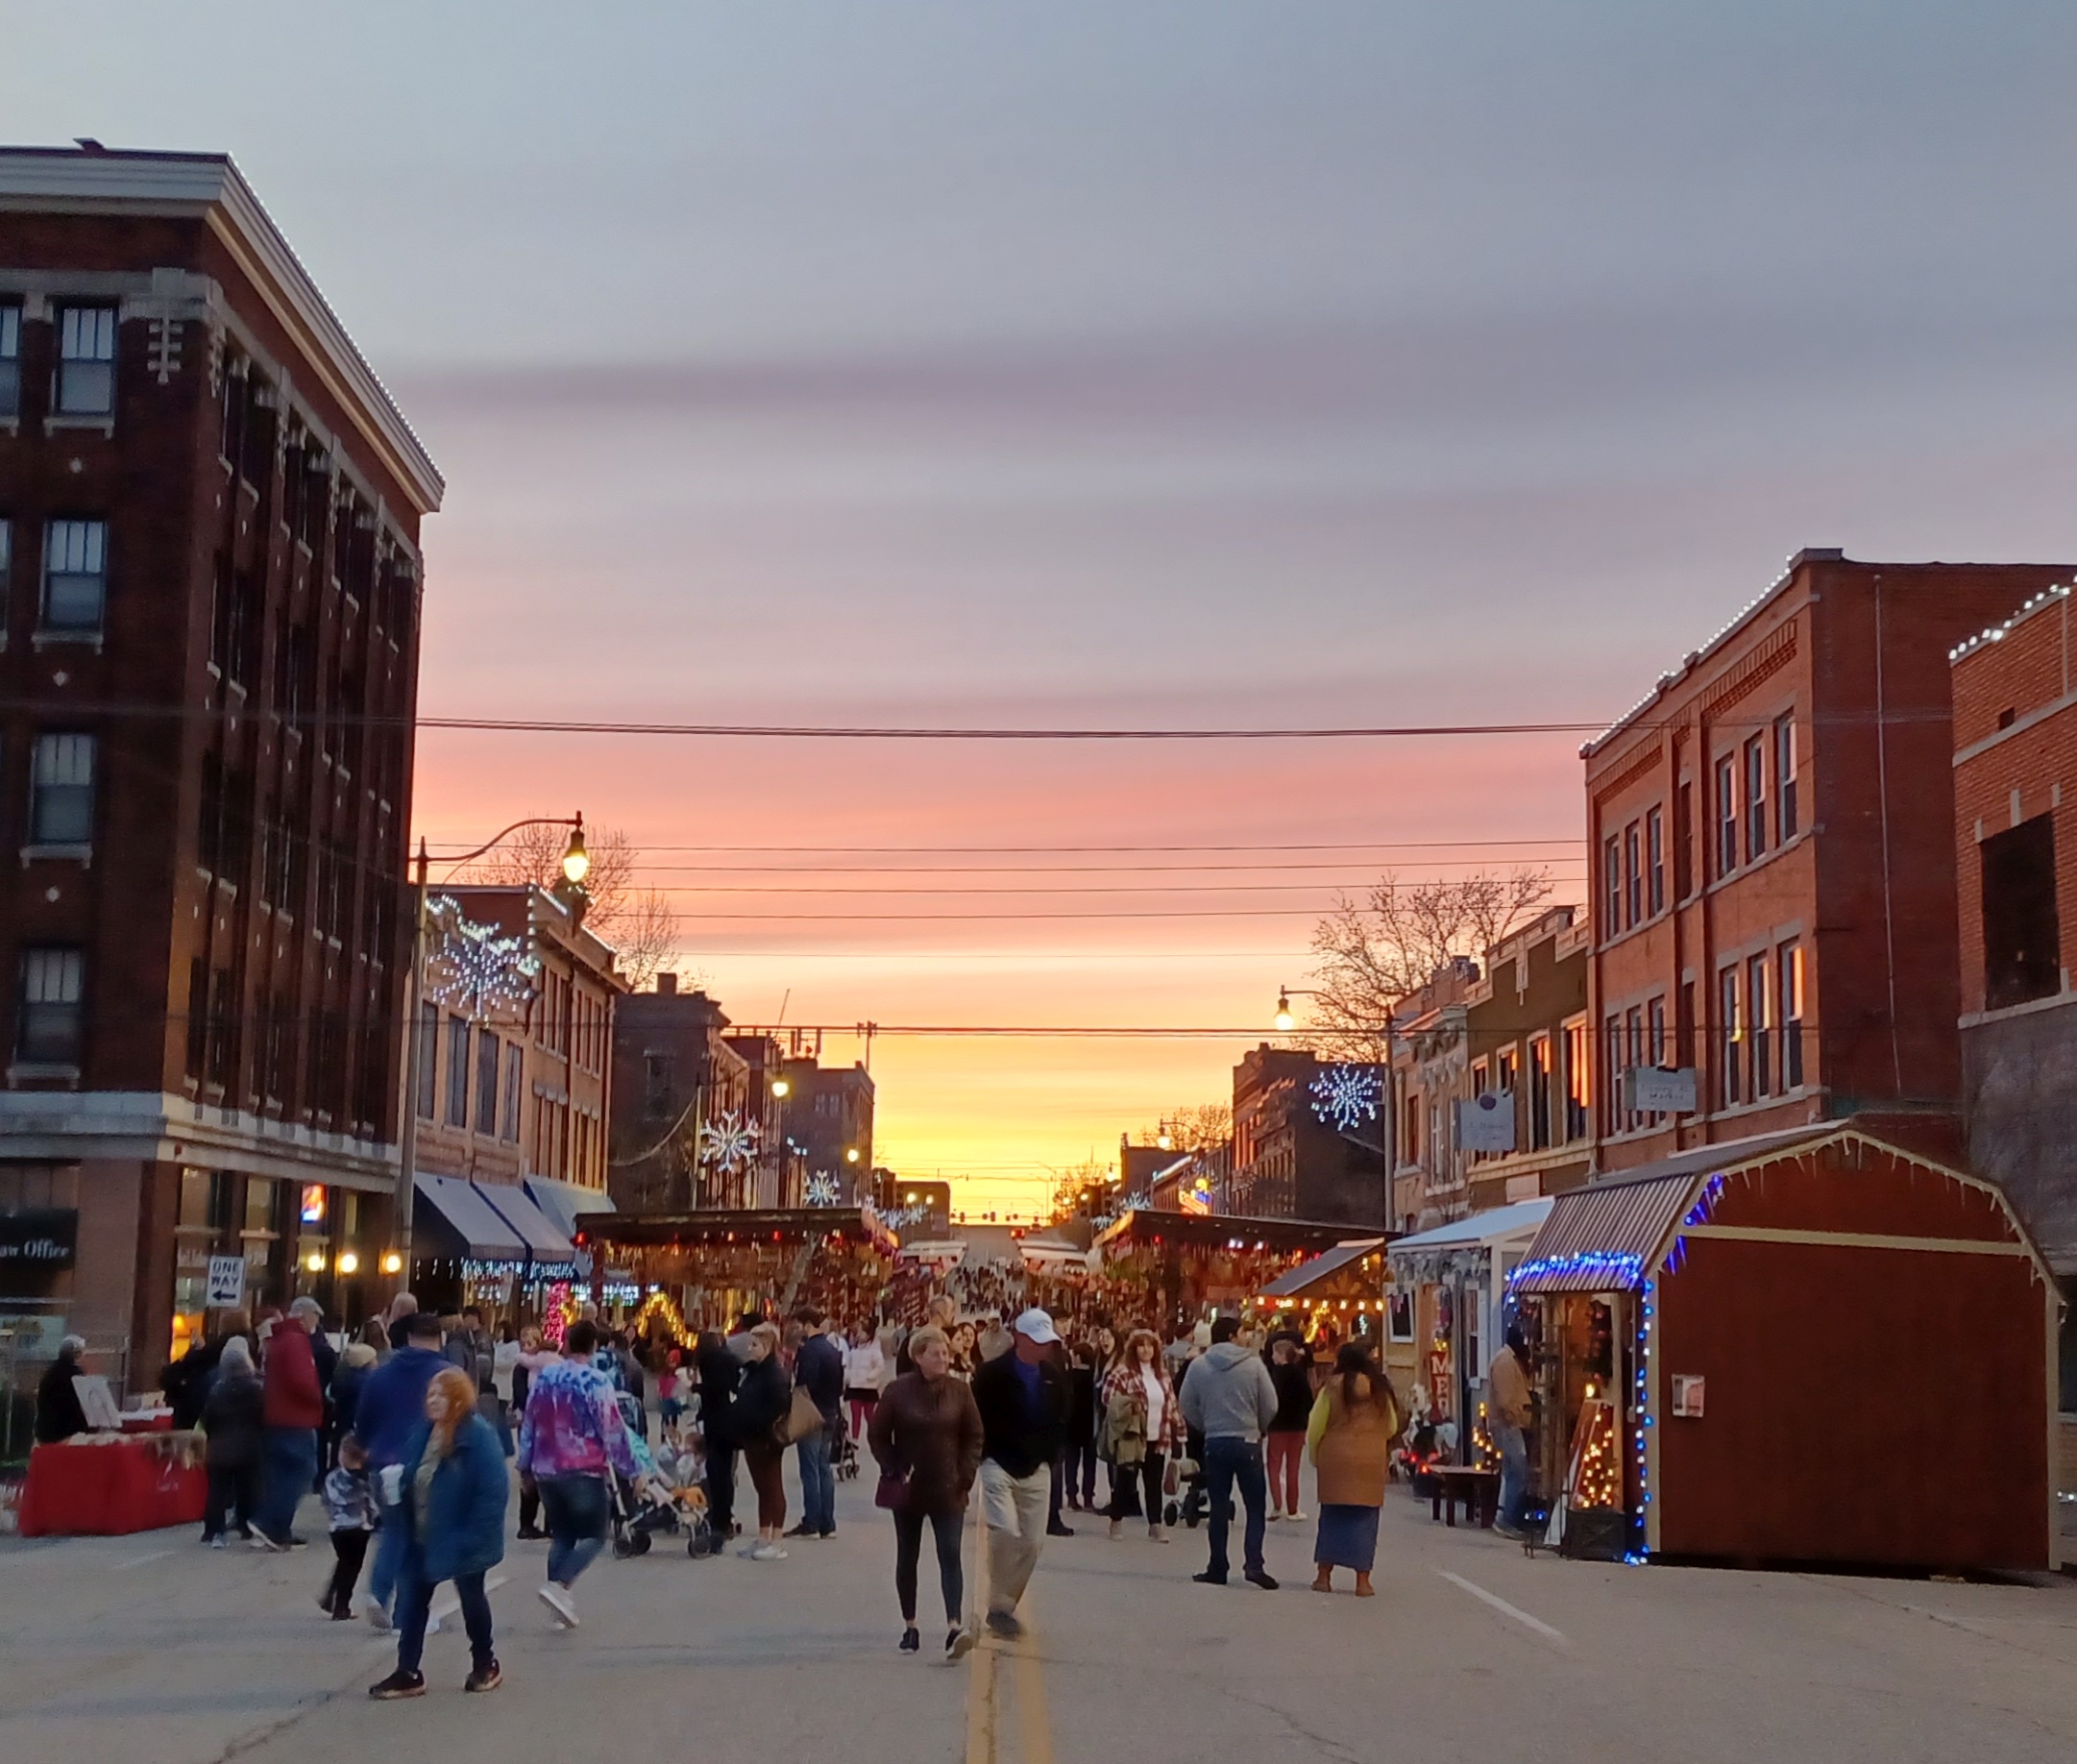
[[1164, 1270], [110, 1484], [1811, 1346]]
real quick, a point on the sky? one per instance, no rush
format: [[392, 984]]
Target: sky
[[1065, 364]]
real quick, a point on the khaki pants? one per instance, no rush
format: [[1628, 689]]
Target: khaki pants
[[1015, 1507]]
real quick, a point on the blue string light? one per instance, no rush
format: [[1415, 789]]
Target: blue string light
[[1627, 1265]]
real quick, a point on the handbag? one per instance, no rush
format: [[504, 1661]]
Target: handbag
[[893, 1492], [801, 1418]]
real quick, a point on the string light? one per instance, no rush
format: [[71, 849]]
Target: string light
[[1345, 1097], [1626, 1265], [473, 968]]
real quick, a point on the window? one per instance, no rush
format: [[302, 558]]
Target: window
[[1655, 1033], [1633, 879], [1410, 1151], [1684, 1027], [486, 1083], [47, 1032], [1755, 798], [1578, 1095], [1789, 978], [1727, 816], [1399, 1323], [1540, 1097], [515, 1060], [1730, 1045], [2023, 956], [87, 361], [457, 1071], [1683, 841], [11, 361], [1612, 890], [1612, 1090], [1656, 862], [1759, 998], [6, 571], [75, 575], [1785, 821], [61, 791]]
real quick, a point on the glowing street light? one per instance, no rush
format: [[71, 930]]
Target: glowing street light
[[1286, 1022], [577, 861], [348, 1263]]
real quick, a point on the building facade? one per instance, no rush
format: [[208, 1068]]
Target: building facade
[[209, 517], [2015, 870], [676, 1078], [1771, 845], [1293, 1158], [826, 1119], [1432, 1076]]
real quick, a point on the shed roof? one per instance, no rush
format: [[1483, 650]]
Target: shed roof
[[1479, 1228], [1294, 1280]]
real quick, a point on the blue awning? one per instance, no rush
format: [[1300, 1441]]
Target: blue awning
[[464, 1225], [563, 1201], [549, 1248]]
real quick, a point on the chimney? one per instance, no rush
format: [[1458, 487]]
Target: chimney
[[667, 985]]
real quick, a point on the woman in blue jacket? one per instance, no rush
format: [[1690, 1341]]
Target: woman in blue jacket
[[451, 1499]]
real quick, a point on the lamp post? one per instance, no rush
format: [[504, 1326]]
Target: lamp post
[[577, 864], [1286, 1021]]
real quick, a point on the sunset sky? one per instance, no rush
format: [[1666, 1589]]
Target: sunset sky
[[1071, 364]]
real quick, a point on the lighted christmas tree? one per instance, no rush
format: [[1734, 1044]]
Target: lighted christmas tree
[[1596, 1462]]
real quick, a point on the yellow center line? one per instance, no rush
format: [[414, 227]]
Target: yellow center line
[[1035, 1732]]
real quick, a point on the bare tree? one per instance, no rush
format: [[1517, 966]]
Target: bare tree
[[1372, 954], [1195, 1127], [1081, 1188], [639, 923]]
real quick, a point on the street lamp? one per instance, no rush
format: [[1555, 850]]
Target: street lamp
[[850, 1154], [781, 1088], [1287, 1020], [577, 864]]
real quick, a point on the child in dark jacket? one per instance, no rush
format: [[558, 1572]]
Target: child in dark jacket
[[350, 1509]]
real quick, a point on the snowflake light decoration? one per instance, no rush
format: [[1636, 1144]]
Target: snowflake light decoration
[[474, 968], [823, 1190], [1345, 1097], [729, 1143]]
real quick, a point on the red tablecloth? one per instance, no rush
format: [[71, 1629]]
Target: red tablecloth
[[124, 1485]]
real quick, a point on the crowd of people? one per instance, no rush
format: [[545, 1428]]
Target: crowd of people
[[411, 1432]]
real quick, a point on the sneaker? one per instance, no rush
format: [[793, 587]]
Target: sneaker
[[748, 1550], [1060, 1531], [293, 1542], [1209, 1579], [959, 1644], [825, 1536], [1155, 1535], [1275, 1514], [341, 1613], [1005, 1624], [487, 1680], [911, 1641], [371, 1608], [769, 1552], [219, 1543], [398, 1684], [803, 1529], [259, 1540], [530, 1534], [561, 1606], [1295, 1516], [1260, 1576]]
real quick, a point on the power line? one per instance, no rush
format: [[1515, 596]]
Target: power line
[[1070, 888], [1567, 842], [1569, 854]]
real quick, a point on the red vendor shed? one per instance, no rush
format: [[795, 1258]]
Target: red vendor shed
[[1824, 1348]]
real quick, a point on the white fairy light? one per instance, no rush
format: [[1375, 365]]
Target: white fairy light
[[473, 968]]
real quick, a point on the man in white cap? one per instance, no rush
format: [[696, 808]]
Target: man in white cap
[[1023, 1398]]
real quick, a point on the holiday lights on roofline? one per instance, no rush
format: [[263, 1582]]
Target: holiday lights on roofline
[[1997, 633]]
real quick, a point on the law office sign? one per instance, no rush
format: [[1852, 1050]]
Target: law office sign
[[40, 1238]]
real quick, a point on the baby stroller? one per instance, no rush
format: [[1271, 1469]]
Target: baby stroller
[[844, 1454], [643, 1504]]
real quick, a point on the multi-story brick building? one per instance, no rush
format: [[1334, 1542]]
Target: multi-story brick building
[[1772, 850], [1292, 1160], [2015, 746], [1431, 1076], [826, 1115], [210, 516], [674, 1076]]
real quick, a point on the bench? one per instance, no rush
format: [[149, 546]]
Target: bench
[[1477, 1489]]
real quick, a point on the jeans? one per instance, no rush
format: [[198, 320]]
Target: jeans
[[290, 1456], [721, 1488], [1227, 1461], [1080, 1476], [909, 1546], [818, 1484], [233, 1498], [414, 1604], [1513, 1445], [387, 1575], [1285, 1451], [575, 1508], [1015, 1507]]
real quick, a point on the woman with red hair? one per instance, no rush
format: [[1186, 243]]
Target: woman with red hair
[[1141, 1429], [451, 1498]]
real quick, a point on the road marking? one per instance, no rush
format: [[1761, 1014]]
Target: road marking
[[1031, 1705], [1498, 1603], [139, 1561]]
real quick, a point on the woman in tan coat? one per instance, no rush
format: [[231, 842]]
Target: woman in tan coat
[[1354, 1423]]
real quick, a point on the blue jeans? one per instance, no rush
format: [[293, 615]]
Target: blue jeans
[[575, 1509], [818, 1484], [387, 1575], [414, 1605], [290, 1459], [1228, 1462], [1513, 1445]]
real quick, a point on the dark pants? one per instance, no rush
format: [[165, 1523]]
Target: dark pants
[[234, 1497], [415, 1605], [1080, 1473], [349, 1549], [577, 1510], [909, 1546], [721, 1488], [529, 1504], [1228, 1462], [766, 1464], [291, 1462], [1131, 1484]]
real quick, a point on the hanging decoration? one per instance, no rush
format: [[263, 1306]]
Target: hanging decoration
[[473, 968], [728, 1143], [557, 1314], [823, 1190], [1346, 1096]]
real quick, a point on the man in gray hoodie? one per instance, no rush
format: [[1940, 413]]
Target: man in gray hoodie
[[1229, 1398]]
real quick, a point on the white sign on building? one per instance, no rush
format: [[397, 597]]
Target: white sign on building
[[1656, 1089], [1486, 1123]]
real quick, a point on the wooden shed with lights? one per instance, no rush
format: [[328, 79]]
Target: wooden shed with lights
[[1813, 1346]]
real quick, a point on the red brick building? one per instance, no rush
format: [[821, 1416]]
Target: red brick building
[[673, 1076], [1771, 836], [210, 516], [2016, 745]]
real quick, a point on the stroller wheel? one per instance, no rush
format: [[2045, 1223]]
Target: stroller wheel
[[638, 1544], [624, 1546]]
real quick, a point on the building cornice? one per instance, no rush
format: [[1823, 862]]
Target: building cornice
[[69, 1126]]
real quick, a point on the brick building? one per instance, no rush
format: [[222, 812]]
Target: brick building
[[210, 516], [1771, 843], [2016, 745], [1292, 1162], [1431, 1072], [827, 1118]]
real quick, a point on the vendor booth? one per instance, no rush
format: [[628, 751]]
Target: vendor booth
[[1811, 1346], [1164, 1270], [1447, 1293], [1332, 1296]]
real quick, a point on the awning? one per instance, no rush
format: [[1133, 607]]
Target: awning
[[1295, 1281], [1479, 1230], [547, 1247], [465, 1225], [563, 1201]]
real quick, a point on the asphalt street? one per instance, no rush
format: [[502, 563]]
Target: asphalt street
[[151, 1649]]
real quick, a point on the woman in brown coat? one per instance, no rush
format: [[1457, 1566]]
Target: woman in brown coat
[[1354, 1423], [926, 1438]]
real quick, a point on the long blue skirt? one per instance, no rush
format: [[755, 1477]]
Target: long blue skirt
[[1348, 1538]]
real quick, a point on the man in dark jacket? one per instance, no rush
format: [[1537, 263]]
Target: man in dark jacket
[[719, 1370], [387, 1412], [1023, 1399], [59, 1414], [295, 1411], [819, 1370]]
